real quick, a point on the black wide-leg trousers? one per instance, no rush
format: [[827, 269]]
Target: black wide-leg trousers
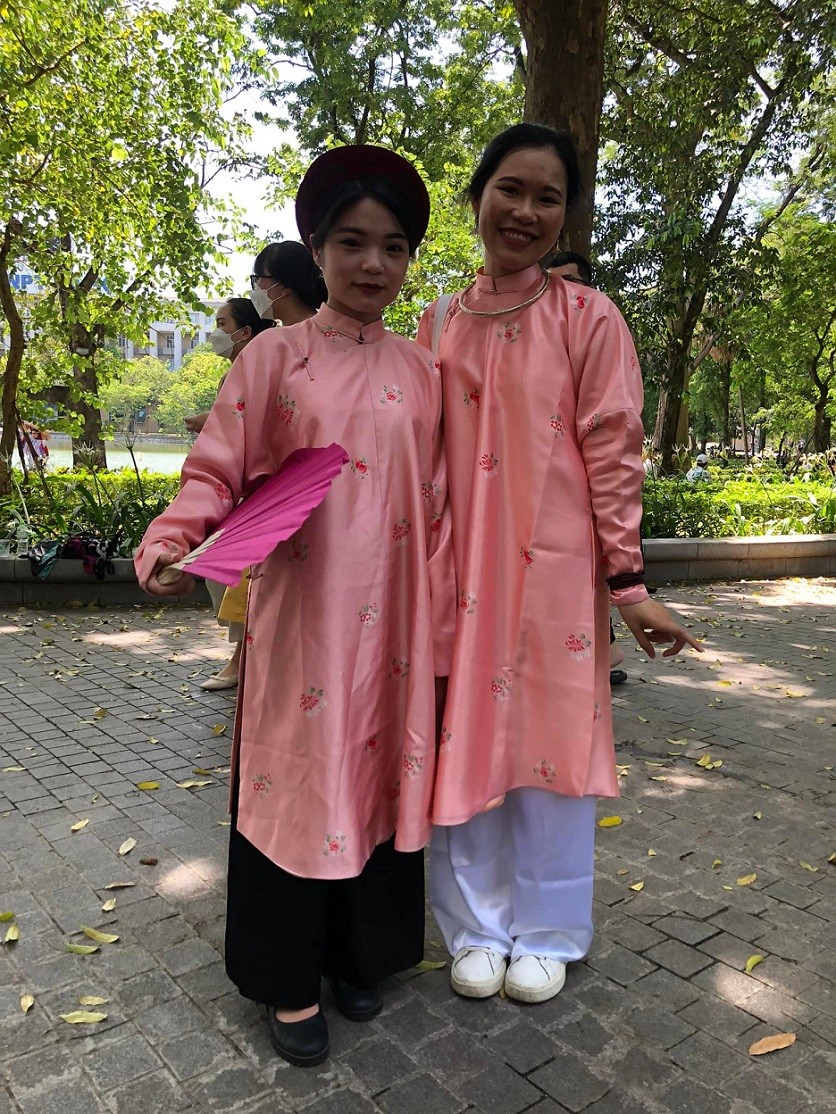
[[284, 933]]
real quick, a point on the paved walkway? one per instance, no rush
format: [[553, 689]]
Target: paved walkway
[[659, 1018]]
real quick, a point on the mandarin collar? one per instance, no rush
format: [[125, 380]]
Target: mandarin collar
[[327, 319], [507, 284]]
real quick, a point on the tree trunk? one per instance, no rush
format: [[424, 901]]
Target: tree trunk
[[88, 447], [669, 414], [823, 424], [11, 375], [565, 87], [725, 387]]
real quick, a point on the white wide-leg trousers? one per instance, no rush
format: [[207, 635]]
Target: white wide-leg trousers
[[518, 879]]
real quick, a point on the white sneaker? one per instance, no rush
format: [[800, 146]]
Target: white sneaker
[[478, 972], [534, 978]]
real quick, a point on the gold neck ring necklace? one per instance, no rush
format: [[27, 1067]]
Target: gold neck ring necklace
[[503, 312]]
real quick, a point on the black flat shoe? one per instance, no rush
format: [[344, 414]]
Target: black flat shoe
[[355, 1003], [302, 1043], [617, 677]]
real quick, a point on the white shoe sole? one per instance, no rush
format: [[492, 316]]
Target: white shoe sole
[[532, 994], [478, 989]]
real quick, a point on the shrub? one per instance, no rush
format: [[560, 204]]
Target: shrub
[[115, 506]]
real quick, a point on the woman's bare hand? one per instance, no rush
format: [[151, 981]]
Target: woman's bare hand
[[651, 622], [180, 587]]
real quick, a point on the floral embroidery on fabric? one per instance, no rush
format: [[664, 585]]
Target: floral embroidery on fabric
[[360, 466], [238, 408], [298, 551], [262, 785], [400, 667], [435, 368], [446, 745], [594, 422], [369, 614], [489, 464], [579, 301], [430, 491], [334, 844], [472, 398], [500, 688], [285, 409], [545, 771], [579, 647], [413, 764], [313, 701], [393, 395], [330, 334], [393, 792], [435, 525], [401, 530], [596, 712], [223, 493], [556, 422], [509, 332], [249, 639], [372, 745], [527, 556], [467, 603]]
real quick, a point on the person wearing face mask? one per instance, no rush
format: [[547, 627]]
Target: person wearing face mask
[[236, 323], [287, 285]]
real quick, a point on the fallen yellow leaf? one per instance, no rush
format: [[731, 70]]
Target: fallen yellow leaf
[[99, 937], [772, 1044], [81, 949], [109, 905], [82, 1017], [12, 934], [677, 742], [13, 769], [704, 761], [100, 713], [642, 719], [192, 783], [757, 815], [637, 886], [219, 729], [152, 740], [609, 821], [27, 1002], [728, 887], [832, 858], [92, 1000], [746, 880], [7, 917], [808, 866], [752, 962], [127, 846], [148, 785], [659, 777], [119, 885], [651, 852], [79, 825], [716, 863], [430, 965], [622, 872]]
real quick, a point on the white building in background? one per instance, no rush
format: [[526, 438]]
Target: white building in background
[[168, 341]]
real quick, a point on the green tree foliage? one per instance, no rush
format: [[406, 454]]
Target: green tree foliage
[[110, 115], [138, 385], [192, 389], [793, 331], [704, 102]]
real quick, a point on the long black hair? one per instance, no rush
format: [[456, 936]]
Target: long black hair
[[522, 136], [290, 263], [244, 314]]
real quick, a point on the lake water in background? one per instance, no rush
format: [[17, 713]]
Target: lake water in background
[[153, 457]]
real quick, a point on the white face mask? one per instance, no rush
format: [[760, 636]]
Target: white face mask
[[262, 301], [222, 342]]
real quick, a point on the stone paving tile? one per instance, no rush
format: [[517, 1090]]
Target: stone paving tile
[[658, 1020]]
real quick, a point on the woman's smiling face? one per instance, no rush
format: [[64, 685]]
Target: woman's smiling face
[[521, 211]]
